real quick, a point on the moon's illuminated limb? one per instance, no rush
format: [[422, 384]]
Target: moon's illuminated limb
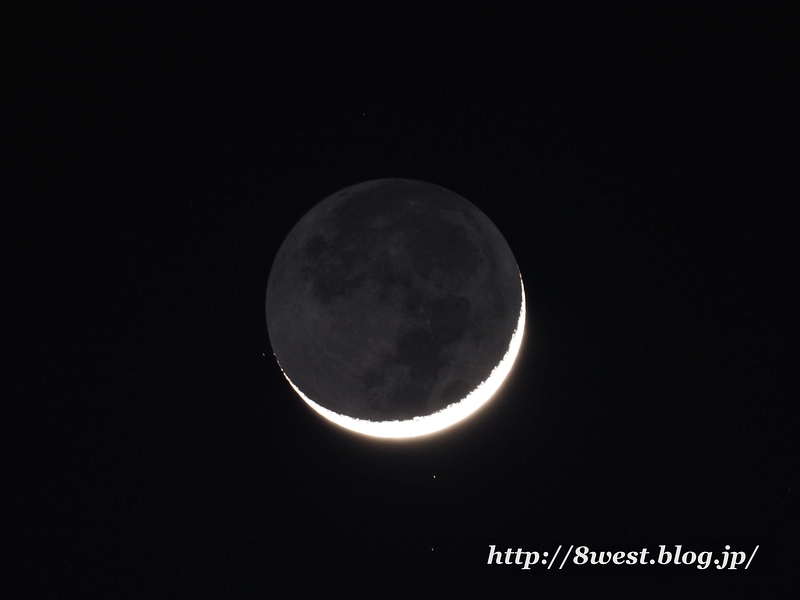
[[439, 420]]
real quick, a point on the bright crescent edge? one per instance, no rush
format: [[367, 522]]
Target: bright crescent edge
[[450, 415]]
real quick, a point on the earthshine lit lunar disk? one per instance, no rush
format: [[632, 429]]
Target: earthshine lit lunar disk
[[395, 308]]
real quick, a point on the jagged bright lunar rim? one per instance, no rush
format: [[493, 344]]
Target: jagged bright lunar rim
[[419, 426], [395, 308]]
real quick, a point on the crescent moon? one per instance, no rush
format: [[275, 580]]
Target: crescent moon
[[395, 308]]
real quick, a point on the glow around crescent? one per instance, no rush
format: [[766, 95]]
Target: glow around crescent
[[437, 421]]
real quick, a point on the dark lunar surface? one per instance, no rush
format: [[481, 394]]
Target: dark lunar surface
[[392, 299]]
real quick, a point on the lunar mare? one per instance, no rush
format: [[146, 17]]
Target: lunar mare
[[395, 301], [419, 426]]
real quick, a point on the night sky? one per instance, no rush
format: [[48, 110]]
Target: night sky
[[640, 164]]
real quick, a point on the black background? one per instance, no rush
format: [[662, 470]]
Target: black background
[[639, 162]]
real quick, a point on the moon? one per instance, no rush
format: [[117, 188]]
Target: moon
[[395, 308]]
